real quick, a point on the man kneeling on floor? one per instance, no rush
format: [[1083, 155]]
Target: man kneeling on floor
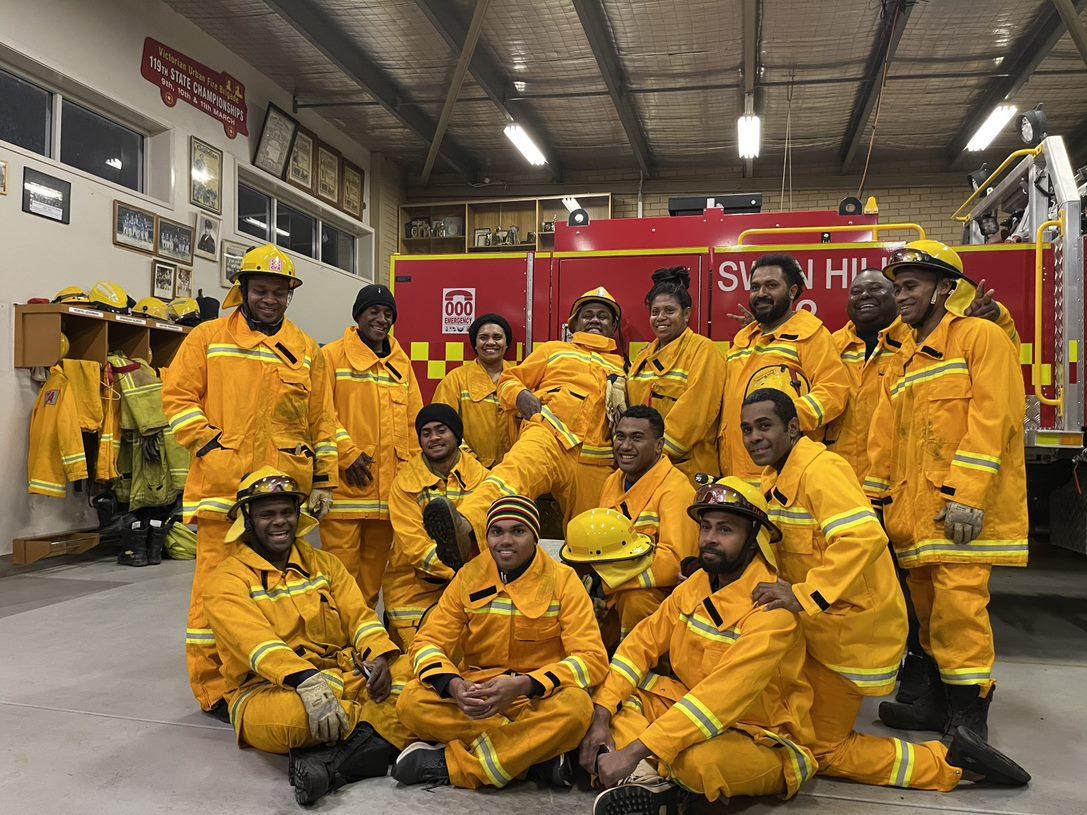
[[734, 719], [309, 669], [526, 627]]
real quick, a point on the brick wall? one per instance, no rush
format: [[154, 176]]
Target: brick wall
[[389, 180]]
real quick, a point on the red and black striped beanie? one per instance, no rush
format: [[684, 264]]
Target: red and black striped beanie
[[515, 508]]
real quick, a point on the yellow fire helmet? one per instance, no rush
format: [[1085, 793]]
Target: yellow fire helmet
[[65, 346], [150, 307], [732, 494], [597, 295], [606, 540], [267, 481], [939, 258], [71, 294], [184, 311], [780, 378], [268, 260], [108, 296]]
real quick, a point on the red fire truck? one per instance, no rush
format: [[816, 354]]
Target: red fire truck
[[1039, 278]]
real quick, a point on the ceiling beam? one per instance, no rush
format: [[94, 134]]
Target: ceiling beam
[[1024, 55], [491, 79], [1072, 22], [895, 16], [455, 83], [594, 22], [310, 20]]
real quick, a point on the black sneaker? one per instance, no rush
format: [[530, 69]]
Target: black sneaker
[[557, 772], [449, 531], [638, 798], [220, 712], [422, 763], [316, 771], [983, 762]]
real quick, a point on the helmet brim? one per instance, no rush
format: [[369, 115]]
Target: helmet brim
[[639, 549], [892, 269], [233, 513], [695, 511], [581, 301]]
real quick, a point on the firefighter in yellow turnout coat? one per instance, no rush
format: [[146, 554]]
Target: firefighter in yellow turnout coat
[[786, 349], [305, 660], [735, 720], [947, 469], [245, 391], [838, 577], [376, 398], [519, 698], [416, 577]]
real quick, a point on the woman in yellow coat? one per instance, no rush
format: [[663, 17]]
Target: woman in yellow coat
[[472, 391], [681, 374]]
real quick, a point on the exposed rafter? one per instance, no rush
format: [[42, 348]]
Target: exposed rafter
[[895, 16], [312, 22], [595, 24], [491, 79], [1024, 55]]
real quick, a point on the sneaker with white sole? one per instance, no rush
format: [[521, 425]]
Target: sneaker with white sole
[[638, 798], [422, 763]]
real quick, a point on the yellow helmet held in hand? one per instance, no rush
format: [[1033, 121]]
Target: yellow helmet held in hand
[[108, 296], [71, 294], [736, 496], [183, 311], [607, 540], [150, 307], [265, 482], [597, 295], [268, 259]]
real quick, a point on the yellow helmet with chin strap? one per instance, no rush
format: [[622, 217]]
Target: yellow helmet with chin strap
[[607, 540], [597, 295], [736, 496], [184, 311], [108, 296], [150, 307], [780, 378], [268, 259], [71, 294], [264, 483], [944, 262]]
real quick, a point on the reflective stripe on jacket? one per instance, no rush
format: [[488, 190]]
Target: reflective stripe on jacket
[[489, 429]]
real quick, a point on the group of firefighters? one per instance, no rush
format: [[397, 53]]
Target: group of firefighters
[[726, 525]]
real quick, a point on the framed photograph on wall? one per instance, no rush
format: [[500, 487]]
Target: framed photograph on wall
[[183, 283], [175, 241], [300, 170], [205, 176], [231, 262], [134, 228], [328, 174], [207, 236], [162, 280], [3, 178], [46, 196], [276, 141], [352, 190]]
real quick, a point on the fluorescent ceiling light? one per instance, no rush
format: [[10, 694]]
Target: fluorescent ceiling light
[[570, 203], [528, 148], [989, 129], [748, 133], [115, 163], [262, 225]]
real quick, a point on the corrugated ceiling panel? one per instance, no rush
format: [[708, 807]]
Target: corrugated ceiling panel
[[689, 126], [821, 40]]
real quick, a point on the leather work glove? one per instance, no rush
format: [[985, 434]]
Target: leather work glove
[[319, 503], [962, 524], [615, 398], [327, 721]]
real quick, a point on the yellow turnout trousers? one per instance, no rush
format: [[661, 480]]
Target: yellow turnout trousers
[[733, 763], [634, 605], [273, 719], [842, 752], [362, 545], [497, 750], [952, 604], [208, 685]]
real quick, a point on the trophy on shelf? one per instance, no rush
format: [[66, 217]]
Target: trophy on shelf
[[511, 235]]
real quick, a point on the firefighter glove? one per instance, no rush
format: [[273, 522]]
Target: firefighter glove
[[327, 721], [320, 502], [962, 523], [615, 398]]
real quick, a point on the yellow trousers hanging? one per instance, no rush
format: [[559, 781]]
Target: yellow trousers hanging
[[273, 719], [208, 685], [952, 604], [362, 545], [495, 751], [726, 765], [844, 753]]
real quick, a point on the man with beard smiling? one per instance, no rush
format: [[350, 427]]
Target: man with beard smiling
[[376, 399], [734, 719], [415, 577], [837, 576], [793, 347]]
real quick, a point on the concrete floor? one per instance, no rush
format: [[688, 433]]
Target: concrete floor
[[97, 715]]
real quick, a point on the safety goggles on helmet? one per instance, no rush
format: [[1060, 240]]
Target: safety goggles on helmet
[[723, 498], [268, 486], [907, 255]]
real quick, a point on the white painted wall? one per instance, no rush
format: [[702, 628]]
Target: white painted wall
[[99, 43]]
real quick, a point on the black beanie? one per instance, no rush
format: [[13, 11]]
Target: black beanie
[[496, 319], [373, 295], [439, 412]]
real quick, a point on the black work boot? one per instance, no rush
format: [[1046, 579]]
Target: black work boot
[[156, 540], [927, 712], [968, 709], [557, 772], [133, 546], [980, 761], [450, 531], [316, 771], [914, 677], [422, 763]]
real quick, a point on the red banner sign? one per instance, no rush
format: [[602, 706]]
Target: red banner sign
[[177, 76]]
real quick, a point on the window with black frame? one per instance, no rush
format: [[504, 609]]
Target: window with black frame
[[100, 146], [26, 113]]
